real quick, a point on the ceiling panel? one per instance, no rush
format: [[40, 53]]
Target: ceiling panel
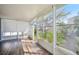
[[24, 12], [21, 11]]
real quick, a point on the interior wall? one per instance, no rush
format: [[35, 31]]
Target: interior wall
[[8, 25], [15, 26]]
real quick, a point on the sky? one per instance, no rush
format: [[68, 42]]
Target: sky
[[73, 9]]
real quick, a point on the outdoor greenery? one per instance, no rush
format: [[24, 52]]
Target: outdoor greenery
[[60, 38], [61, 32], [67, 31], [49, 36], [76, 22]]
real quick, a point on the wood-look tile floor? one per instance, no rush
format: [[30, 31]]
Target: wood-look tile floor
[[11, 47], [31, 48], [21, 47]]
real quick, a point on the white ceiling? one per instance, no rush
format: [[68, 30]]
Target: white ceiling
[[25, 12]]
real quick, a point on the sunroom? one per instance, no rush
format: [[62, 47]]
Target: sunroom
[[45, 29]]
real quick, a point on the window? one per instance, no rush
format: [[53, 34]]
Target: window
[[13, 33], [6, 34], [49, 35], [19, 33], [68, 28], [40, 33]]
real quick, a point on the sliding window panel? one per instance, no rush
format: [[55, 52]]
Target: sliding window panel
[[68, 29], [49, 34], [40, 33]]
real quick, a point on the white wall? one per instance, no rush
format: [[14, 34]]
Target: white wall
[[15, 26], [8, 25]]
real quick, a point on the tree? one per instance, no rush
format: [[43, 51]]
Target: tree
[[76, 23], [62, 28]]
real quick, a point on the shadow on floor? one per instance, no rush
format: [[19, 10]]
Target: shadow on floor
[[11, 47]]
